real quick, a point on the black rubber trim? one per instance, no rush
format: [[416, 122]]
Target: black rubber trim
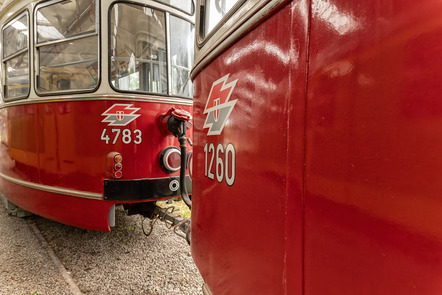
[[142, 189]]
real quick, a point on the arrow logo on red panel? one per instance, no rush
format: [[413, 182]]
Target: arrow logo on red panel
[[120, 114], [219, 106]]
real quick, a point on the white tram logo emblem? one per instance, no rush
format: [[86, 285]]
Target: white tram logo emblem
[[120, 114], [219, 106]]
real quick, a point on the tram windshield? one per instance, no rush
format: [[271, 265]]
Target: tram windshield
[[67, 46], [151, 51], [150, 48]]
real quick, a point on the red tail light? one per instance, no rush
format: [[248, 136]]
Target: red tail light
[[114, 165], [170, 159]]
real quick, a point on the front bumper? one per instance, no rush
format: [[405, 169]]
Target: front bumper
[[143, 189]]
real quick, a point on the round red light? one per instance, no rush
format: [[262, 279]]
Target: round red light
[[174, 160], [170, 159], [118, 174], [118, 166]]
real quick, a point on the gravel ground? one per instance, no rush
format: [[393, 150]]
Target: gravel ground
[[124, 261], [25, 265]]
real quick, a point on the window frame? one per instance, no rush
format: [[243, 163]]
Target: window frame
[[241, 18], [202, 37], [177, 8], [170, 66], [14, 55], [37, 45], [167, 14]]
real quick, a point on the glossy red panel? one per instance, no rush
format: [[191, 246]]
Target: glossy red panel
[[246, 228], [335, 130], [74, 211], [65, 145], [373, 204], [67, 142]]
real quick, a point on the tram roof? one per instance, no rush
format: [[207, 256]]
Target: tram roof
[[15, 5], [4, 3]]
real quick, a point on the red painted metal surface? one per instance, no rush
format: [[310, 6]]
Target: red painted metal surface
[[373, 162], [336, 133], [63, 145], [74, 211], [247, 238]]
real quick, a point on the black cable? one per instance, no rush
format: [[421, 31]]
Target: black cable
[[183, 146]]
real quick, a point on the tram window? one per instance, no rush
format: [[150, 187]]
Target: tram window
[[16, 57], [139, 56], [67, 46], [181, 52], [65, 19], [69, 65], [184, 5], [138, 49], [215, 11], [15, 36]]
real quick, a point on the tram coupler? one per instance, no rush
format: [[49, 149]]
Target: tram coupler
[[167, 215]]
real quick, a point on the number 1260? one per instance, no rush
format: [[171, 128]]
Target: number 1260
[[222, 160]]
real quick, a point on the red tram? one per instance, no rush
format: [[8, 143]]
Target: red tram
[[317, 149], [85, 86]]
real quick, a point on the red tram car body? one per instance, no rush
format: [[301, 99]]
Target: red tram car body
[[58, 167], [81, 129], [317, 148]]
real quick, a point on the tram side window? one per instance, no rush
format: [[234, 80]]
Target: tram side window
[[215, 10], [138, 49], [181, 52], [16, 57], [67, 46]]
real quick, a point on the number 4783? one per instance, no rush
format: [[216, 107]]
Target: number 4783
[[126, 136]]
